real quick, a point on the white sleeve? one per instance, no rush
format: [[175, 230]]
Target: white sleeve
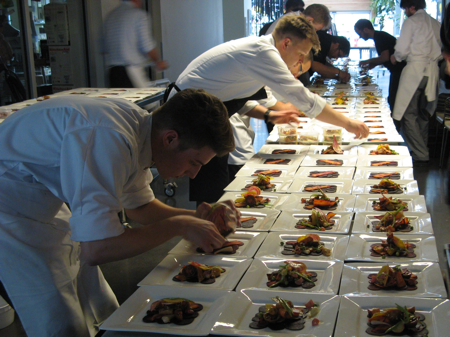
[[404, 41]]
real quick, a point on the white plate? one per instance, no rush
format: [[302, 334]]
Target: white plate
[[235, 320], [363, 186], [363, 172], [317, 150], [359, 248], [251, 240], [170, 266], [239, 182], [328, 275], [364, 150], [391, 139], [343, 186], [268, 148], [294, 201], [355, 279], [272, 248], [352, 318], [274, 199], [311, 160], [128, 317], [421, 223], [265, 219], [344, 172], [415, 203], [260, 159], [248, 169], [402, 161], [287, 220]]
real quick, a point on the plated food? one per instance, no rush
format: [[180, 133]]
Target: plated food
[[262, 182], [306, 245], [386, 185], [324, 174], [284, 151], [384, 163], [394, 278], [197, 272], [392, 221], [321, 201], [333, 162], [317, 220], [180, 311], [335, 148], [283, 161], [247, 222], [383, 149], [292, 274], [393, 246], [229, 247], [389, 204], [270, 173], [252, 198], [382, 175], [323, 188]]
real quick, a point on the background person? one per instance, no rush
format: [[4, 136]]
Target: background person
[[290, 6]]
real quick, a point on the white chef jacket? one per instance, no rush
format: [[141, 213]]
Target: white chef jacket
[[420, 45], [239, 68]]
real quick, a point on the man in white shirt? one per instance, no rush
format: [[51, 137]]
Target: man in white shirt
[[237, 72], [95, 156], [420, 45]]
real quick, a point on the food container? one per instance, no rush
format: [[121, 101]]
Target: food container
[[6, 314], [287, 130], [308, 137], [329, 132], [290, 139], [5, 112]]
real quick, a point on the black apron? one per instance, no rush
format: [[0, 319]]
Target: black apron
[[212, 178]]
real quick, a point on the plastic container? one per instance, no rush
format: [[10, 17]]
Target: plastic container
[[290, 139], [308, 137], [329, 132], [6, 314], [287, 130]]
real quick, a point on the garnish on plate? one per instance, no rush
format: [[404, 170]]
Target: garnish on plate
[[383, 149], [392, 221], [179, 311], [309, 244], [393, 246], [399, 321], [197, 272], [320, 201], [335, 148], [252, 198], [386, 185], [263, 182], [270, 173], [292, 274], [394, 278], [317, 220]]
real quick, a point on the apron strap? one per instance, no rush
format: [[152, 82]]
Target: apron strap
[[169, 89], [235, 105]]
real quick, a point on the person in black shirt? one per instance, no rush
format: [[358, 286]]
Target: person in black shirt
[[384, 44]]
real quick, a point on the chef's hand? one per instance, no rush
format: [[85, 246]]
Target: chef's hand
[[358, 128], [393, 60], [202, 210], [161, 65], [235, 214], [201, 233], [284, 116], [226, 220], [344, 76]]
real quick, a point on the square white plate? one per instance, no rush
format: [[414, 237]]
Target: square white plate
[[402, 161], [275, 199], [415, 203], [391, 139], [251, 240], [344, 172], [363, 186], [364, 150], [328, 275], [287, 220], [260, 159], [311, 160], [235, 320], [317, 150], [355, 279], [363, 172], [128, 317], [239, 182], [343, 186], [272, 247], [265, 219], [359, 248], [249, 169], [269, 148], [294, 201], [352, 318], [421, 223], [170, 266]]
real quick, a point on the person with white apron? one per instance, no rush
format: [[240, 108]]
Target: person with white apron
[[94, 155], [420, 45]]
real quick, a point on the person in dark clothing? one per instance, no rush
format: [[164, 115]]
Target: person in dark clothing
[[290, 6], [384, 44]]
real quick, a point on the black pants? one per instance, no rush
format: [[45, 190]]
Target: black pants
[[118, 77], [394, 81]]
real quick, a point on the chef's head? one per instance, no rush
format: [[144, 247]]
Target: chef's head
[[412, 6], [188, 131], [294, 38], [318, 15]]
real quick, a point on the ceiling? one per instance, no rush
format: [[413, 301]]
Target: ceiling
[[342, 5]]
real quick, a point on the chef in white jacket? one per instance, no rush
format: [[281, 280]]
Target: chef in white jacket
[[419, 44], [94, 155]]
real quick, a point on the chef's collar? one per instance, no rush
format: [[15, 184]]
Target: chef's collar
[[145, 142]]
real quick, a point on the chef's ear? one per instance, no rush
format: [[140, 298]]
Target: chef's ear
[[170, 137]]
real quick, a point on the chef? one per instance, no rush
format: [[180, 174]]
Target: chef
[[93, 155], [420, 45], [237, 72]]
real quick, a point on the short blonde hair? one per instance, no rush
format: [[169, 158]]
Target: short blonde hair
[[320, 14], [296, 26]]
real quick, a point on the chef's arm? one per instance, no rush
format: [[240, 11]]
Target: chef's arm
[[329, 71], [276, 116], [383, 57], [154, 55], [331, 116]]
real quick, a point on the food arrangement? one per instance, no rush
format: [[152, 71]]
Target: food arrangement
[[377, 140], [247, 222], [262, 182], [270, 173], [394, 278], [283, 315], [341, 100], [333, 162], [393, 246], [399, 321], [277, 161], [283, 151], [335, 148], [378, 132], [229, 247], [179, 311], [197, 272], [317, 220], [384, 163], [292, 274], [306, 245], [324, 188], [252, 198], [381, 175], [370, 99], [220, 215], [383, 149], [320, 201], [392, 221], [324, 174], [386, 185], [389, 204]]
